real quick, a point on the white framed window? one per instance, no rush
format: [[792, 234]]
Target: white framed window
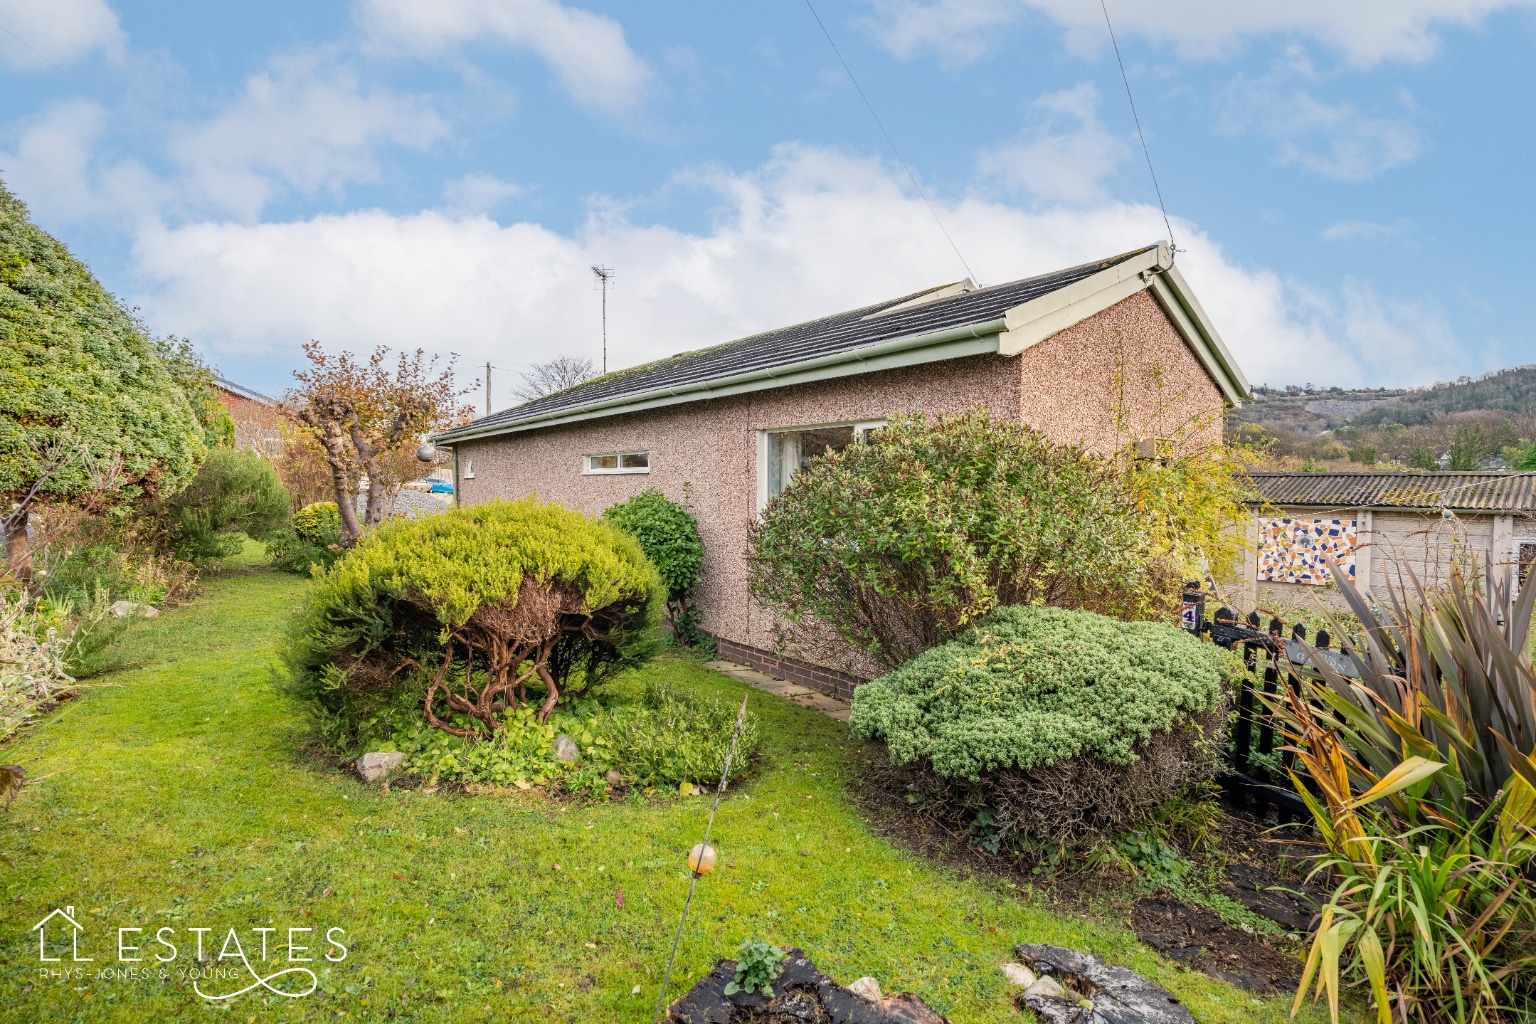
[[783, 453], [608, 463]]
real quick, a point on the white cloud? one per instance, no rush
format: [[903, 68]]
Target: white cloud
[[1350, 230], [1364, 31], [587, 52], [56, 32], [478, 193], [304, 125], [1064, 157], [56, 168], [1334, 140], [811, 232]]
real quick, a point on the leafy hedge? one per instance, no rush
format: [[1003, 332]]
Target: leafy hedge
[[462, 613], [899, 543], [1027, 687]]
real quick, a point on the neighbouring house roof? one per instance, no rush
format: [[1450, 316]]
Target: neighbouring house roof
[[946, 322], [1424, 490], [224, 384]]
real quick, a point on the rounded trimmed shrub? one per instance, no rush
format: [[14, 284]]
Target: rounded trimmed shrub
[[318, 523], [234, 493], [1062, 723], [459, 615]]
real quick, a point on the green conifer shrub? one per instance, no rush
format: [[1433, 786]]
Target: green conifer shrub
[[318, 523], [234, 494], [459, 615], [1062, 724]]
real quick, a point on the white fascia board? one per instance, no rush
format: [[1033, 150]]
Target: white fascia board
[[902, 352], [1032, 322]]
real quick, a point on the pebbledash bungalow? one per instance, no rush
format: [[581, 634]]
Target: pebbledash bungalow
[[1105, 354]]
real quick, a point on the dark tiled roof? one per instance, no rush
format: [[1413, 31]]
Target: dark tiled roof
[[832, 335], [1479, 492]]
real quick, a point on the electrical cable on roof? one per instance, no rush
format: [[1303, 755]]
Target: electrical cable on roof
[[1103, 5], [892, 143]]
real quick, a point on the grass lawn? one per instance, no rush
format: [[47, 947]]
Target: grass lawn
[[175, 794]]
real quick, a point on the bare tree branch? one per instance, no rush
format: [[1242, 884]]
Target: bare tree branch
[[559, 373]]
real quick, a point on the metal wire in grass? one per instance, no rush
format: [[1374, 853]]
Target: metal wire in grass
[[694, 873]]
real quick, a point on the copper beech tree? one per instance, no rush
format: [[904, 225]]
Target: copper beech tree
[[363, 414]]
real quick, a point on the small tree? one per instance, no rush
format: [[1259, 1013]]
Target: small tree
[[559, 373], [363, 415], [91, 410]]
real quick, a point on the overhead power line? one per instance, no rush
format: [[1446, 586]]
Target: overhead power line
[[892, 143], [1104, 6]]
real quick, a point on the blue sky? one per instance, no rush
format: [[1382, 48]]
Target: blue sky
[[1349, 180]]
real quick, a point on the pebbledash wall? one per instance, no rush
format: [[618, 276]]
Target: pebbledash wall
[[1121, 375]]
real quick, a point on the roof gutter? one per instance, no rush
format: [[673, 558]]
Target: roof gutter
[[752, 380]]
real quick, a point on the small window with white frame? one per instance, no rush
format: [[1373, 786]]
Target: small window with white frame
[[783, 453], [616, 462]]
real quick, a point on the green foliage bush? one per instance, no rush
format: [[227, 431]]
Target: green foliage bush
[[1060, 723], [666, 738], [494, 589], [318, 523], [84, 386], [668, 534], [313, 540], [235, 494], [897, 544]]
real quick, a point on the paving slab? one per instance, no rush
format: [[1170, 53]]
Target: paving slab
[[802, 695]]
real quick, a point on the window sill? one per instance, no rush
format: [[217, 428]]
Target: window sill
[[613, 472]]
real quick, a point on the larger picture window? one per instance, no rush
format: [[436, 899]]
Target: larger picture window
[[783, 453]]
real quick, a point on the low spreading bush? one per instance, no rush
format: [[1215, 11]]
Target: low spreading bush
[[122, 569], [1062, 724], [667, 738], [897, 544], [669, 535], [234, 494], [460, 614]]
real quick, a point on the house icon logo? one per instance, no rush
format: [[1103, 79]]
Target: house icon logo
[[74, 927]]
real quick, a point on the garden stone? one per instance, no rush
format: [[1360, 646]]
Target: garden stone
[[866, 988], [1109, 995], [125, 609], [379, 764], [801, 992], [1019, 975], [565, 748], [613, 778]]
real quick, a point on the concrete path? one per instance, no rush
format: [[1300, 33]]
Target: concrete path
[[802, 695]]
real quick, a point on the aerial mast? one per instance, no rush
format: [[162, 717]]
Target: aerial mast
[[602, 275]]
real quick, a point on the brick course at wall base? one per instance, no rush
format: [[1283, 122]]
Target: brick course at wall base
[[823, 680]]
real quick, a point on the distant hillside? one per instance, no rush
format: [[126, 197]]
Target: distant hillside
[[1512, 391], [1483, 423]]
